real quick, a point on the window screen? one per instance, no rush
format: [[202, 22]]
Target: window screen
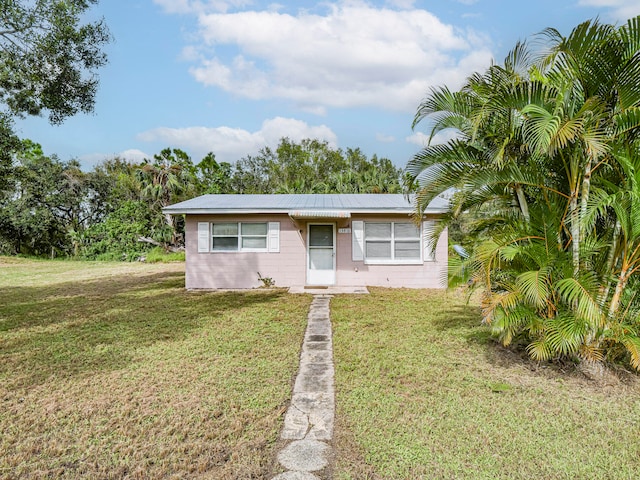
[[254, 236], [225, 236], [239, 236], [390, 241]]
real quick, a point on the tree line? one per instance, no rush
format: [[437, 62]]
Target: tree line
[[49, 58], [51, 207]]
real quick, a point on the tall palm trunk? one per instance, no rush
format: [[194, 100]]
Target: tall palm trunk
[[575, 232], [611, 261], [586, 187], [522, 200], [617, 294]]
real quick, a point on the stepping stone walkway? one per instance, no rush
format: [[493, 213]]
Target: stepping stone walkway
[[308, 423]]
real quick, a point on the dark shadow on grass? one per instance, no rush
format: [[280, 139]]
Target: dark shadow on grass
[[464, 320], [29, 307], [76, 328]]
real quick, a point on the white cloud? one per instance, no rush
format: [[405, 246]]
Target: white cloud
[[419, 139], [230, 144], [353, 55], [621, 10], [381, 137], [134, 155], [422, 139]]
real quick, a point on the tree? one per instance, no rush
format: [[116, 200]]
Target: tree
[[50, 202], [122, 181], [48, 57], [118, 236], [48, 63], [312, 166], [9, 145], [170, 178], [213, 177], [545, 160]]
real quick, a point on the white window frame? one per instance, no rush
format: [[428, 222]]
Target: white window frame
[[392, 260], [239, 236]]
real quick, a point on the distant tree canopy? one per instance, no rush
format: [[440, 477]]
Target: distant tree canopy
[[52, 207], [312, 166]]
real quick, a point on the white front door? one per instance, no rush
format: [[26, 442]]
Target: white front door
[[321, 254]]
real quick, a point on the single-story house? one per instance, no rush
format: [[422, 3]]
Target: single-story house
[[311, 240]]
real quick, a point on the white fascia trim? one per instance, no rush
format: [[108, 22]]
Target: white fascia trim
[[210, 211]]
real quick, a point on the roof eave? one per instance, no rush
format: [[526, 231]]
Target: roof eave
[[244, 211]]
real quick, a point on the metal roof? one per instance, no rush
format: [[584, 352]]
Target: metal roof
[[286, 203]]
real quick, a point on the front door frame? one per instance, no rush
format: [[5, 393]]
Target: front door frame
[[314, 278]]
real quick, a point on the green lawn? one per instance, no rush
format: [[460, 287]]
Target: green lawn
[[423, 392], [113, 370]]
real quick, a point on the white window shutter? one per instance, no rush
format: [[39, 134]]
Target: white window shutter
[[357, 241], [428, 227], [203, 237], [274, 237]]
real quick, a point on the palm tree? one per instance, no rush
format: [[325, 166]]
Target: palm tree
[[541, 141], [166, 180]]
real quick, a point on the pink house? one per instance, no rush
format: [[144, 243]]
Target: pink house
[[311, 240]]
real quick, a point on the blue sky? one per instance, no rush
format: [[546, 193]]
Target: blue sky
[[233, 76]]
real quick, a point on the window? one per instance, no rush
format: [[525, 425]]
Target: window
[[225, 236], [253, 236], [391, 242], [239, 236]]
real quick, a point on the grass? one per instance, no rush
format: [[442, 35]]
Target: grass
[[159, 255], [424, 392], [113, 370]]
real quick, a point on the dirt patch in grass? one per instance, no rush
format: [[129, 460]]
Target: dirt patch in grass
[[424, 392], [115, 371]]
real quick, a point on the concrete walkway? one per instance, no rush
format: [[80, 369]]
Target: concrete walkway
[[308, 423]]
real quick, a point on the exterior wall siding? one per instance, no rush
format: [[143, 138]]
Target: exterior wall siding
[[220, 270], [212, 270], [428, 274]]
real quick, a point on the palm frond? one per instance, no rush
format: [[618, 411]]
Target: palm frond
[[540, 350], [582, 298], [627, 120], [591, 352], [509, 323], [540, 128], [565, 334], [627, 83], [519, 60], [630, 36], [507, 300], [632, 344], [534, 286]]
